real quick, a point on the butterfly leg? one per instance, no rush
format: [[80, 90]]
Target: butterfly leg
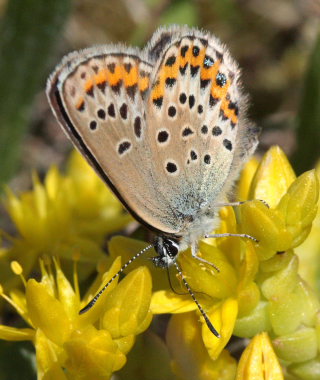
[[194, 251], [228, 235], [240, 203]]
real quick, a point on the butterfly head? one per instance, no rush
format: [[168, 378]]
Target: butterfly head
[[167, 249]]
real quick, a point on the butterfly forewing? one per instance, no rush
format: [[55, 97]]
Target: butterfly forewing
[[100, 103]]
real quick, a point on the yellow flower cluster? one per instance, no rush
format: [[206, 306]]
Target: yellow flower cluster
[[67, 214], [259, 292], [73, 346]]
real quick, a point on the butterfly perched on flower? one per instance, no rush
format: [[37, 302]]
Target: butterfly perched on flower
[[164, 127]]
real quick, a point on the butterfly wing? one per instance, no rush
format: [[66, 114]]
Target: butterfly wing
[[195, 115], [98, 97], [164, 128]]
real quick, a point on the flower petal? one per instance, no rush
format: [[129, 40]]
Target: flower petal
[[245, 180], [14, 334], [47, 354], [299, 206], [258, 320], [164, 301], [47, 313], [92, 354], [258, 361], [127, 306], [273, 177], [297, 347], [223, 318], [190, 359], [93, 314], [204, 278], [66, 294], [266, 225]]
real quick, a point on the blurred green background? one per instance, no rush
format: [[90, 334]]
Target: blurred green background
[[276, 42]]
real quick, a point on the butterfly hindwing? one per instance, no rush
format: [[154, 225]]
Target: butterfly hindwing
[[194, 116]]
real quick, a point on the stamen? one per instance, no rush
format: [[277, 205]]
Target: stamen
[[76, 257], [11, 302], [17, 269]]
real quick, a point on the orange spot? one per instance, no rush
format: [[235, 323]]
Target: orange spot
[[131, 78], [164, 73], [169, 71], [198, 61], [186, 58], [143, 83], [229, 113], [211, 72], [80, 103], [101, 76], [157, 92], [217, 91], [88, 85]]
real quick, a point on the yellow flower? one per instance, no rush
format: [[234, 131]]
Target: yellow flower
[[309, 251], [191, 360], [259, 361], [69, 345], [68, 213]]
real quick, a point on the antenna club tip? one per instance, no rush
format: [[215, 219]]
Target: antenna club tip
[[215, 333], [86, 308]]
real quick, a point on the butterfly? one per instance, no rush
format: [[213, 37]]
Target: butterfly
[[165, 127]]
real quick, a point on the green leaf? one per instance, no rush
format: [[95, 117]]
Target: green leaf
[[28, 32], [308, 119]]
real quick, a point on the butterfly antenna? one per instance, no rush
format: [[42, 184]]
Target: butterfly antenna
[[171, 284], [97, 296], [203, 313]]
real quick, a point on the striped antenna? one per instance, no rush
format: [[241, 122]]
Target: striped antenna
[[96, 297], [203, 313]]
